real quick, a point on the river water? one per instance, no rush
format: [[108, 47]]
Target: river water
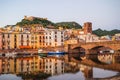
[[97, 74], [90, 73], [83, 73]]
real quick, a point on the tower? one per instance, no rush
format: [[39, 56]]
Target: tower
[[87, 27]]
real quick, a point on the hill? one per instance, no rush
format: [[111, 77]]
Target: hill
[[34, 20], [28, 21], [101, 32], [69, 25]]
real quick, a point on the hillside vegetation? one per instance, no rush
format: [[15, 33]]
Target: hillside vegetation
[[101, 32], [45, 23], [69, 25], [41, 21]]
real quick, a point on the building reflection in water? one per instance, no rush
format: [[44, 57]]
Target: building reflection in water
[[19, 62]]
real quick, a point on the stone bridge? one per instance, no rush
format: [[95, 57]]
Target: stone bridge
[[114, 45], [91, 48]]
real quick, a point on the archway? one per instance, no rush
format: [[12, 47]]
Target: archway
[[101, 54], [77, 52]]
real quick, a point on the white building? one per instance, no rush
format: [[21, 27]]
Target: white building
[[88, 37], [117, 36], [54, 37], [54, 65], [24, 39]]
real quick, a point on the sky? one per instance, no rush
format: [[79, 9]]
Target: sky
[[104, 14]]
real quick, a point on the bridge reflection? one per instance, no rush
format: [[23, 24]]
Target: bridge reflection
[[97, 54], [87, 67]]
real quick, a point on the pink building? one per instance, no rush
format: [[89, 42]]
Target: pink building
[[0, 40]]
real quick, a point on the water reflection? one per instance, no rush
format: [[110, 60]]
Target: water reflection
[[86, 73], [59, 67]]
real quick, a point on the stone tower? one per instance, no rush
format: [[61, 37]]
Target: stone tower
[[87, 27]]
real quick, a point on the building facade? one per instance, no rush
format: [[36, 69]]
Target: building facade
[[87, 27], [24, 40], [0, 40], [54, 66], [10, 40], [54, 37]]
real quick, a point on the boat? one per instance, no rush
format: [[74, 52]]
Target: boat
[[41, 53], [57, 53]]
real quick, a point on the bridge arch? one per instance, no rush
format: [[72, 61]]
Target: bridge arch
[[99, 46], [76, 52], [100, 49], [91, 48]]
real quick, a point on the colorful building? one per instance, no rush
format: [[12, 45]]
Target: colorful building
[[24, 40], [54, 37], [0, 40], [10, 40], [19, 63]]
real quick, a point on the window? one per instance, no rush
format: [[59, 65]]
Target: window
[[27, 36], [61, 40], [46, 37], [40, 37], [8, 35], [21, 36], [55, 36], [3, 36], [55, 32], [43, 37], [40, 41], [15, 35], [15, 45], [49, 37], [55, 40]]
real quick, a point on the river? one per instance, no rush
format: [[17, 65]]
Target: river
[[84, 73]]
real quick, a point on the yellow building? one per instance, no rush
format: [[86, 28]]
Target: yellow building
[[38, 40], [10, 40], [7, 65], [19, 63], [27, 64], [34, 40]]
